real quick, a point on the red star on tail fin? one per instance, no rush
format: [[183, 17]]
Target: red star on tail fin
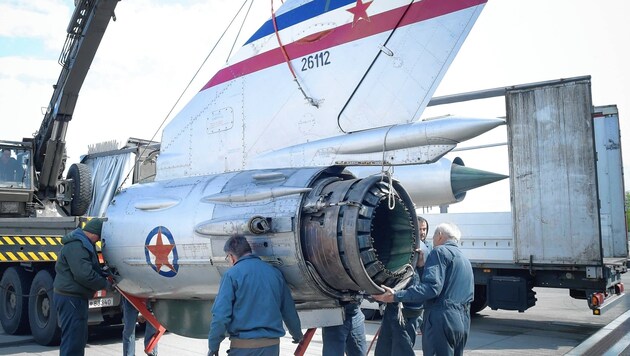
[[360, 12]]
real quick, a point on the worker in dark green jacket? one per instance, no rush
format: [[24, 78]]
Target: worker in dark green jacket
[[78, 277]]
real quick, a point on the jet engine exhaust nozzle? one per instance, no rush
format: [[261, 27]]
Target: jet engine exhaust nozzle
[[361, 235]]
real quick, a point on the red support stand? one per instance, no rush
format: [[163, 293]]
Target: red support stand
[[303, 345], [141, 305], [374, 339]]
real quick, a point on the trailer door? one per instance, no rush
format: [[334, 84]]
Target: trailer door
[[553, 174], [610, 182]]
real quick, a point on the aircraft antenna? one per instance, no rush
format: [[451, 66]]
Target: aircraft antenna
[[286, 59]]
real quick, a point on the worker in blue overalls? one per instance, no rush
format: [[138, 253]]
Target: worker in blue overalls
[[402, 321], [446, 289]]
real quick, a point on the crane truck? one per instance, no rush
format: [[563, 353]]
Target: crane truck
[[38, 205]]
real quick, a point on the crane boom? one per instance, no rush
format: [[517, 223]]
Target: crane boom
[[85, 31], [38, 205]]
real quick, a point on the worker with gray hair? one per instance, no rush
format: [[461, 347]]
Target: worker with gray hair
[[252, 302], [446, 289]]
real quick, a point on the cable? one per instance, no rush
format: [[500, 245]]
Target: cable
[[180, 97], [391, 34], [389, 173], [287, 60], [239, 30]]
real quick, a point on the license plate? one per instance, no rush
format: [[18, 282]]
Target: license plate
[[101, 302]]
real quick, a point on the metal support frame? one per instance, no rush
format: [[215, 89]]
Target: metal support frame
[[303, 345], [141, 305]]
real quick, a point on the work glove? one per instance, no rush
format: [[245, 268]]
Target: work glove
[[106, 272], [298, 340]]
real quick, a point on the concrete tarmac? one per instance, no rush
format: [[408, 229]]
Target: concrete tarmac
[[557, 325]]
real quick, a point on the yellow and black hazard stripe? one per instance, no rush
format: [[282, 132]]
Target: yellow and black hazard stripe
[[29, 248]]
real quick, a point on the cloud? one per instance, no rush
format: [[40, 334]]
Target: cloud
[[34, 19]]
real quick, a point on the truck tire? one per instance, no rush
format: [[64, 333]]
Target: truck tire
[[481, 299], [81, 188], [14, 288], [42, 314]]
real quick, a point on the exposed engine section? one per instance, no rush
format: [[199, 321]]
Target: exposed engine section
[[358, 234], [332, 235]]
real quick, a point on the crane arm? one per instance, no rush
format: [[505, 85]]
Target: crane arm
[[85, 31]]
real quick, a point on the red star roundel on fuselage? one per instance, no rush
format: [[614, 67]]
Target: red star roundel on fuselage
[[161, 252]]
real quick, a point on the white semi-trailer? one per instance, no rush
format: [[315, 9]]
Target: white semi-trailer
[[567, 226]]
